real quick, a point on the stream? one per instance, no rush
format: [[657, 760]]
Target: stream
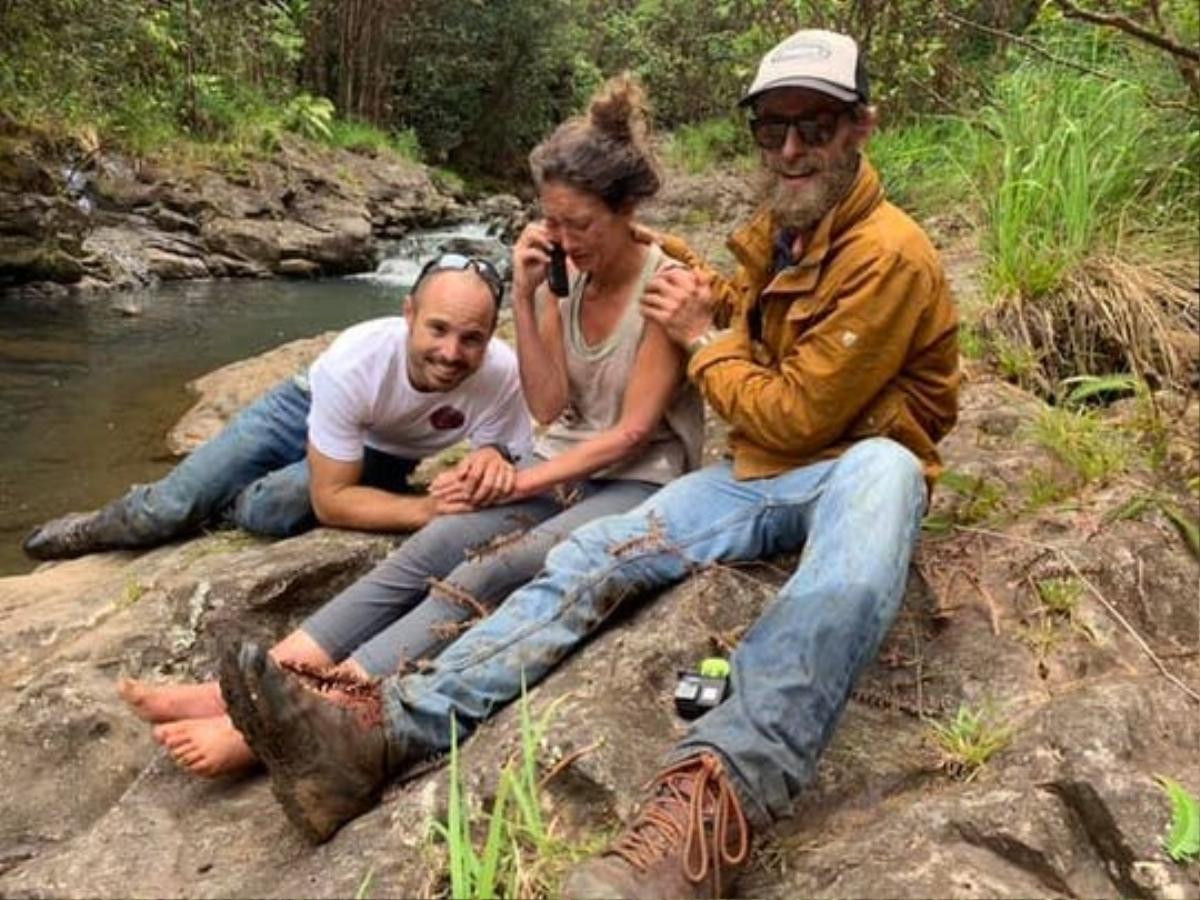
[[89, 387]]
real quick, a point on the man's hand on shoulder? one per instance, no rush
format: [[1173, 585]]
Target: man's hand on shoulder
[[482, 478], [680, 300]]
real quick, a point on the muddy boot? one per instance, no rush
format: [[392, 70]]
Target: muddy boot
[[328, 761], [689, 840], [66, 537]]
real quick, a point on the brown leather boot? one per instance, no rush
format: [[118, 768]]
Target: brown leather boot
[[328, 761], [689, 840]]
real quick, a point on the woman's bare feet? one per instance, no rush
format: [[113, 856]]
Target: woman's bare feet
[[171, 702], [210, 747]]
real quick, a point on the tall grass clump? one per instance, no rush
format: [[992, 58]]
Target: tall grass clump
[[1088, 191], [520, 855], [1084, 164], [1068, 170]]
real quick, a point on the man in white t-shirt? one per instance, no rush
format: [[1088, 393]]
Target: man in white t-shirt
[[337, 446]]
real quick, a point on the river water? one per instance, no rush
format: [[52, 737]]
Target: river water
[[88, 389]]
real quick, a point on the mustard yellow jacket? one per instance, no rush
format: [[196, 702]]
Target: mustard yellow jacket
[[858, 339]]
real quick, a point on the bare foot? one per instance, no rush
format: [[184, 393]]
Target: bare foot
[[210, 747], [171, 702]]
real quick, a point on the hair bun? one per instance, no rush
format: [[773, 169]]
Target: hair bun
[[620, 110], [606, 153]]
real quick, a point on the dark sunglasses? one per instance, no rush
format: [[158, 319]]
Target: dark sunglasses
[[457, 262], [770, 132]]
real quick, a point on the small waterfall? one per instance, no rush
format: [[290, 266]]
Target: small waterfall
[[75, 182], [403, 259]]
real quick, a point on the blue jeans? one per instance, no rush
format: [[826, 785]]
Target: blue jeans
[[391, 616], [857, 518], [253, 474]]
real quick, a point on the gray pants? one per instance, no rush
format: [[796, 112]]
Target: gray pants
[[392, 614]]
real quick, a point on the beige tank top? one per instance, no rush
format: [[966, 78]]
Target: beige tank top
[[596, 378]]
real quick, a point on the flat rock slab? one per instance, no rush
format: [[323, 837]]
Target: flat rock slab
[[68, 747]]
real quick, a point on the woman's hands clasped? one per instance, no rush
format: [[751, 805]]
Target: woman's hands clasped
[[482, 478]]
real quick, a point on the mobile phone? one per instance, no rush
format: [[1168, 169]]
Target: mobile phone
[[557, 278]]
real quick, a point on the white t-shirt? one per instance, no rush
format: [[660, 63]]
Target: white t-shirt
[[361, 395]]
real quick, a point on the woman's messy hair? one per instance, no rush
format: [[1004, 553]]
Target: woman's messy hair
[[605, 153]]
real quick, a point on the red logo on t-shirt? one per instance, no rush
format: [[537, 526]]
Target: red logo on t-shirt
[[446, 418]]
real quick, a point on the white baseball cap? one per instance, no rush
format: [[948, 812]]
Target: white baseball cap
[[819, 60]]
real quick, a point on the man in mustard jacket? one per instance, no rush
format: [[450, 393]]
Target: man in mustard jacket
[[838, 373]]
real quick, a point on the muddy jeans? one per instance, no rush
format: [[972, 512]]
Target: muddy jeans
[[857, 517], [253, 474], [391, 615]]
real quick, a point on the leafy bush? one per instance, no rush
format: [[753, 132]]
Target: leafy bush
[[483, 82], [310, 116]]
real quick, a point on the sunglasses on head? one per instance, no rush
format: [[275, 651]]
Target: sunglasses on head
[[457, 262], [770, 132]]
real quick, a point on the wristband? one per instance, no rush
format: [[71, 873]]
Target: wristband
[[695, 345]]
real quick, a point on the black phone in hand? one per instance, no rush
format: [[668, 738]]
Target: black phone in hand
[[557, 278]]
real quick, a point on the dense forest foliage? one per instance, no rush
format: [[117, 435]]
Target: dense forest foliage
[[475, 83]]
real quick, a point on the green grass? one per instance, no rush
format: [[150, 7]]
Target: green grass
[[233, 122], [1078, 165], [1055, 166], [1094, 449], [972, 342], [448, 180], [925, 164], [364, 887], [1060, 599], [1182, 840], [1060, 596], [979, 497], [968, 740], [520, 854], [1041, 635], [1014, 361], [1043, 489], [1133, 508], [134, 591], [700, 147], [364, 137]]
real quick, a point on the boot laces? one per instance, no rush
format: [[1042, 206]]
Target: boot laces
[[693, 802], [359, 697]]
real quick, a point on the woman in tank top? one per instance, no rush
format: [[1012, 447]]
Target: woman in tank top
[[619, 420]]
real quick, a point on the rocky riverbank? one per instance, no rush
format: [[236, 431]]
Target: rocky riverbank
[[74, 216]]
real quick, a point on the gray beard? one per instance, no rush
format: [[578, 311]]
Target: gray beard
[[802, 209]]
